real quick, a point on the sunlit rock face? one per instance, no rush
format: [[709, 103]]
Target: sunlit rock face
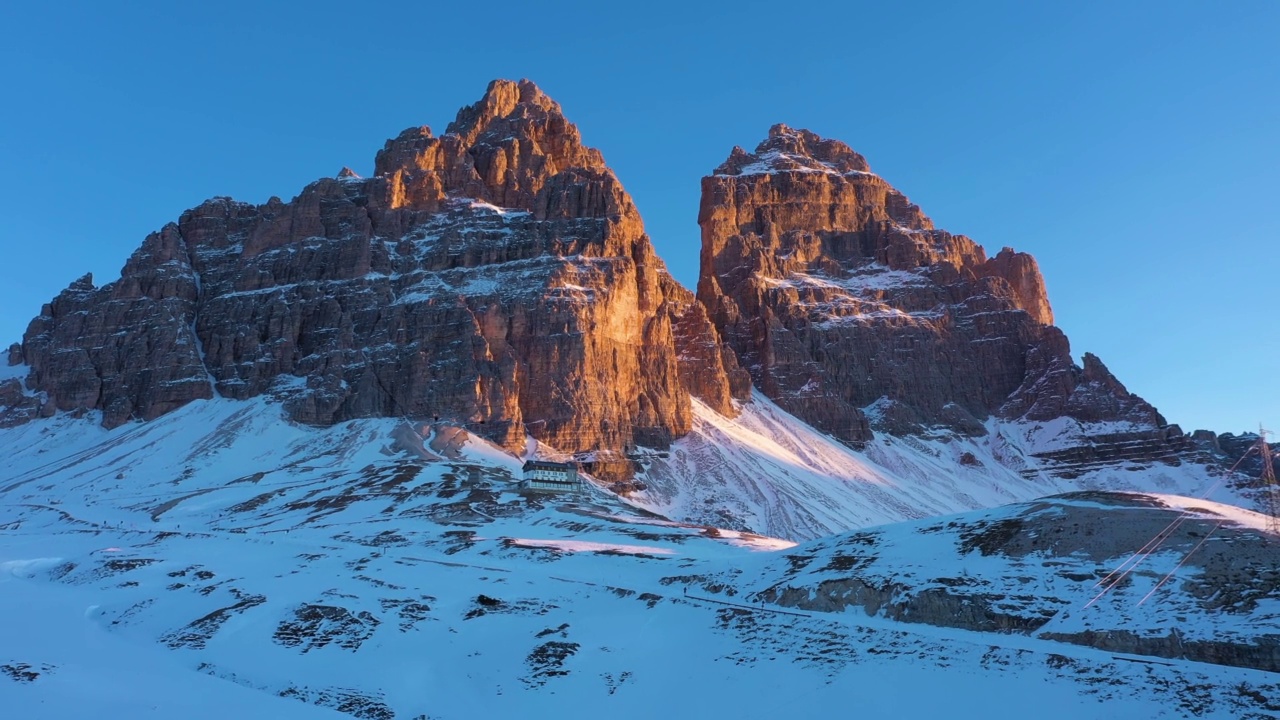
[[497, 275], [851, 310]]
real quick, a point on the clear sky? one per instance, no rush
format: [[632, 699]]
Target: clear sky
[[1132, 147]]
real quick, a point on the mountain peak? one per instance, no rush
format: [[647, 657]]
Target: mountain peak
[[790, 150], [503, 98], [802, 228], [780, 129], [502, 149]]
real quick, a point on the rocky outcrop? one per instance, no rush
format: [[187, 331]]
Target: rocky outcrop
[[128, 349], [18, 406], [1241, 452], [1262, 653], [853, 312], [1037, 568], [497, 275]]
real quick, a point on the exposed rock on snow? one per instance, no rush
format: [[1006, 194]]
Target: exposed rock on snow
[[1064, 568]]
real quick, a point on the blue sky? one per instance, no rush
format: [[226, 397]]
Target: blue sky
[[1132, 147]]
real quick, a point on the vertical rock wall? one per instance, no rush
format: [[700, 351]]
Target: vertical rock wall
[[497, 275], [853, 312]]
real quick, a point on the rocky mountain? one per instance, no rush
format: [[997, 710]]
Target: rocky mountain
[[496, 275], [852, 311], [213, 505]]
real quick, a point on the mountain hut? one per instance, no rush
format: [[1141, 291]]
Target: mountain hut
[[547, 476]]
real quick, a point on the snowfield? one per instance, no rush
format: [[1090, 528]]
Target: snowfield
[[220, 562], [769, 472]]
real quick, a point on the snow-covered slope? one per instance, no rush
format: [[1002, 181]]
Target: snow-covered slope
[[219, 560], [1155, 575], [769, 472]]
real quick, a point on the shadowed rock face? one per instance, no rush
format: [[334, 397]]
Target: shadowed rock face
[[852, 311], [498, 274]]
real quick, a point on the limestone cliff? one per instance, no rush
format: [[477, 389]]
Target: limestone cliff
[[496, 275], [851, 310]]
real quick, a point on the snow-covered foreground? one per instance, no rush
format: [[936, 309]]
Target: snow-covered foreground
[[220, 561]]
